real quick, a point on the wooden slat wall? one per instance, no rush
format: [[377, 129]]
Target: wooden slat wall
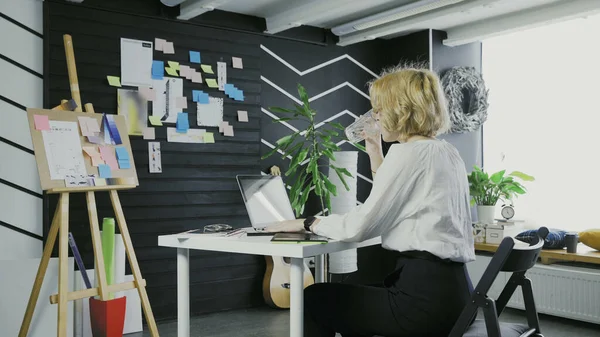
[[197, 186]]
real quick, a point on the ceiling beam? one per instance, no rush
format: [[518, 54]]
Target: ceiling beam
[[421, 21], [531, 18], [305, 13], [192, 8]]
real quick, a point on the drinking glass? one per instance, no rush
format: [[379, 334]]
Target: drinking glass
[[366, 123]]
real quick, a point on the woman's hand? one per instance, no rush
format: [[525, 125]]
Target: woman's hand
[[374, 149], [287, 226]]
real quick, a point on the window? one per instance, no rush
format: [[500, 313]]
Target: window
[[544, 120]]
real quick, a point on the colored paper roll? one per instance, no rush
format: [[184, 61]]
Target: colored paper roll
[[108, 250]]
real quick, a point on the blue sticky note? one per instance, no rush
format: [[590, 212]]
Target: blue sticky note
[[239, 95], [195, 94], [195, 57], [104, 171], [203, 98], [124, 164], [228, 88], [121, 153], [158, 70], [183, 123]]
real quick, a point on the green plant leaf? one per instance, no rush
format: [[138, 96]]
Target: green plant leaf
[[342, 178], [303, 95], [344, 171], [294, 164], [497, 177], [329, 154], [300, 110], [285, 140], [305, 194], [360, 147], [281, 110], [331, 132], [270, 153], [325, 138], [337, 125], [329, 185], [292, 149], [302, 154], [295, 191], [522, 176]]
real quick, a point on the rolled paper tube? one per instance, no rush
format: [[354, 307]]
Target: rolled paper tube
[[108, 250]]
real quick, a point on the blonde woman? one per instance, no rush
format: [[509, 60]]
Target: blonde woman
[[419, 205]]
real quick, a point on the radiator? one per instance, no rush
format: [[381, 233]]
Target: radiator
[[563, 291]]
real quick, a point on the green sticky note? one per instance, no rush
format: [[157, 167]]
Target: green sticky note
[[108, 250], [207, 68], [173, 64], [212, 83], [171, 71], [155, 120], [114, 81], [209, 137]]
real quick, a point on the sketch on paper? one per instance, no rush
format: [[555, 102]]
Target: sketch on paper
[[63, 150], [165, 103], [134, 107]]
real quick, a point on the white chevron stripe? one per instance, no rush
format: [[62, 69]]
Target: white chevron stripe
[[319, 66], [270, 114], [316, 97]]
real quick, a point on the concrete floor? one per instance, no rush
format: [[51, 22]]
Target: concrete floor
[[266, 322]]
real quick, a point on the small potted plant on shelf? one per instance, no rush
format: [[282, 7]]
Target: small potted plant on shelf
[[486, 190]]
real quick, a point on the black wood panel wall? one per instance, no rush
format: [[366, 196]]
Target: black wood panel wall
[[197, 186]]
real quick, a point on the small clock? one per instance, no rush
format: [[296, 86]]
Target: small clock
[[507, 212]]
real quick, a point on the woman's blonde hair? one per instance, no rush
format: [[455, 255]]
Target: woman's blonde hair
[[410, 101]]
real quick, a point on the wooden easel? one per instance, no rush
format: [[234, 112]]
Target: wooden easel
[[60, 228]]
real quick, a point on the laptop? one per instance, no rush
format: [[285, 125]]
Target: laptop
[[266, 200]]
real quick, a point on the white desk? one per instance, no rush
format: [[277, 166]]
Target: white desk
[[256, 245]]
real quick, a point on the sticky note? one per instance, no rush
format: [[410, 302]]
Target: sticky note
[[114, 81], [203, 98], [171, 71], [195, 57], [239, 95], [242, 116], [183, 70], [207, 68], [83, 125], [181, 102], [147, 93], [190, 74], [97, 161], [237, 62], [155, 120], [209, 137], [92, 125], [183, 123], [41, 122], [222, 126], [121, 153], [173, 64], [95, 139], [108, 155], [149, 133], [228, 131], [168, 48], [158, 70], [124, 164], [104, 171], [197, 77], [212, 83], [159, 44]]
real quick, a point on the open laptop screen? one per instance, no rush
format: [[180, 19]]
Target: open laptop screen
[[266, 199]]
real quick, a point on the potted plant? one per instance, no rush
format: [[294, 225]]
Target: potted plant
[[309, 147], [486, 190]]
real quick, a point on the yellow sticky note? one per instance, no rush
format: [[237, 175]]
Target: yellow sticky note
[[155, 120], [114, 81], [209, 137], [171, 71], [173, 64], [212, 83], [207, 68]]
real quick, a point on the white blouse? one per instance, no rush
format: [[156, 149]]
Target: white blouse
[[419, 201]]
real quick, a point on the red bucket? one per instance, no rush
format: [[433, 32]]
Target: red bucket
[[107, 318]]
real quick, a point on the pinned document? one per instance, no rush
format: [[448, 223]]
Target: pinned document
[[221, 74], [210, 114], [154, 159]]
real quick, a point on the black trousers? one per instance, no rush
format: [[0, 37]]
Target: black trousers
[[423, 297]]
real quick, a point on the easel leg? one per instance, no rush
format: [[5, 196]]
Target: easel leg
[[39, 278], [135, 268], [63, 265], [97, 244]]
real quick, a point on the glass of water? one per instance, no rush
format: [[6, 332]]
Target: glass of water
[[366, 123]]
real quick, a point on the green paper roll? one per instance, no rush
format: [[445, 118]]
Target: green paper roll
[[108, 250]]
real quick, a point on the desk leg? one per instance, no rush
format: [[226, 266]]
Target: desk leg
[[319, 268], [183, 292], [297, 298]]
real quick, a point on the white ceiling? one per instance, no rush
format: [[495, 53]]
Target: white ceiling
[[463, 21]]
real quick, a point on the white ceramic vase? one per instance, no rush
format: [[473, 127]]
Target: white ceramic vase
[[346, 261], [485, 214]]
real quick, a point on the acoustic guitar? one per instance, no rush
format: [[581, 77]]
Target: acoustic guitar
[[276, 283]]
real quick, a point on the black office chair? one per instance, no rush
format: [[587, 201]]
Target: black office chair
[[507, 258]]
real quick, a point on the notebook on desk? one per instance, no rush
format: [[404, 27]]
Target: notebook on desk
[[298, 238]]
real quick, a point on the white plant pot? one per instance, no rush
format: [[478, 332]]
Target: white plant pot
[[485, 214]]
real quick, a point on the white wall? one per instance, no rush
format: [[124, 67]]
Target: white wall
[[20, 201]]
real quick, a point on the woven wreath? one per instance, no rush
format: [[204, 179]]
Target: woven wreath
[[456, 82]]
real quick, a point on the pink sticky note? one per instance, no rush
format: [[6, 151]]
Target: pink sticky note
[[159, 44], [97, 161], [149, 133], [83, 125], [197, 77], [183, 70], [147, 93], [108, 155], [222, 126], [168, 48], [92, 125], [181, 102], [228, 131], [242, 116], [41, 122]]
